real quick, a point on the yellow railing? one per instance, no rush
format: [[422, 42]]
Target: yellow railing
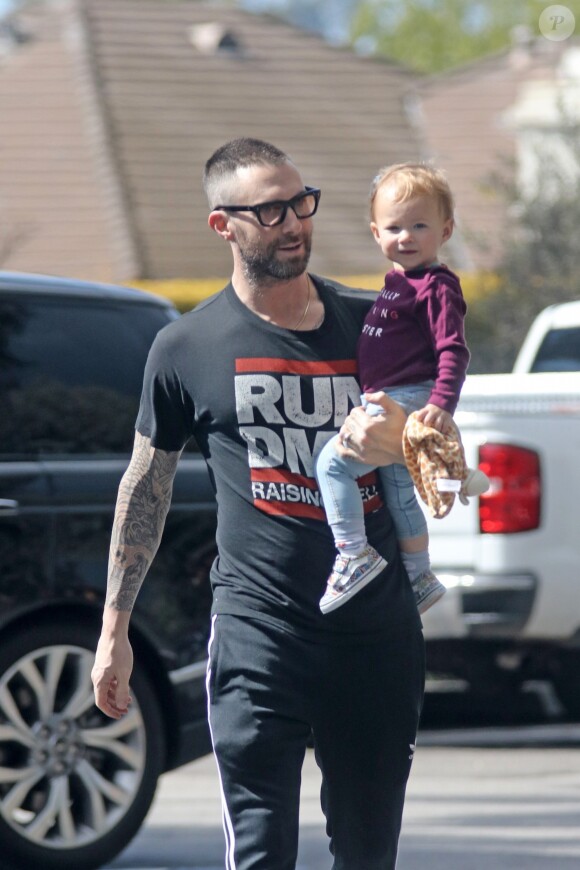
[[186, 293]]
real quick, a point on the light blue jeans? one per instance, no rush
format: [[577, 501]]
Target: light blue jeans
[[337, 479]]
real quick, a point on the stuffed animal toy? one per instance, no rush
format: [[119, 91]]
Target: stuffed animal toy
[[436, 463]]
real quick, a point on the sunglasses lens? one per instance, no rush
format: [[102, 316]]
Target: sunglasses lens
[[305, 206], [271, 214]]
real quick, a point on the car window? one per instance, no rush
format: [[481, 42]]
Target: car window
[[71, 372], [559, 351]]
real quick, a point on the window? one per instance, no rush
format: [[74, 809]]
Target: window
[[71, 372], [559, 352]]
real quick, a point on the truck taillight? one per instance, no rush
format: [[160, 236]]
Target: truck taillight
[[512, 503]]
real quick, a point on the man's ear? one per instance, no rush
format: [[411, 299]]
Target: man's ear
[[219, 222]]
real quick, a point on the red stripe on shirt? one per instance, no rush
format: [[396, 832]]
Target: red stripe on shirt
[[290, 509], [298, 509], [283, 507], [297, 367], [275, 475]]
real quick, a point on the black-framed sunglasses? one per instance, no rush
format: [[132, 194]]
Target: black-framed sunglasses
[[270, 214]]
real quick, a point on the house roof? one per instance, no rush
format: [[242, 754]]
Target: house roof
[[55, 179], [115, 105], [468, 131]]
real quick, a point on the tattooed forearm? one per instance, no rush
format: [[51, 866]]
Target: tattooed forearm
[[142, 505]]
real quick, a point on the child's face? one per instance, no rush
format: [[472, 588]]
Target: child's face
[[409, 233]]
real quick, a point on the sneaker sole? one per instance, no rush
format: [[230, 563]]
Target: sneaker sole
[[344, 597], [432, 598]]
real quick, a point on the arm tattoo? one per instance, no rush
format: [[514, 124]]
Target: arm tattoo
[[142, 505]]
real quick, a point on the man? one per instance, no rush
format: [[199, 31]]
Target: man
[[263, 374]]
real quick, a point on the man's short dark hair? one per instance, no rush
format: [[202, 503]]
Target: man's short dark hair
[[237, 153]]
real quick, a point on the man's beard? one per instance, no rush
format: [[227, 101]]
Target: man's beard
[[261, 265]]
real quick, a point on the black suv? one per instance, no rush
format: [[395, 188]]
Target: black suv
[[74, 785]]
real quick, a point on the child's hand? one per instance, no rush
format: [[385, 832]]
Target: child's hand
[[437, 418]]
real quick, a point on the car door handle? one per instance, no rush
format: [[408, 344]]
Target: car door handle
[[8, 507]]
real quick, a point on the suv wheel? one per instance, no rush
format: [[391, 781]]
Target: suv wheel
[[74, 785]]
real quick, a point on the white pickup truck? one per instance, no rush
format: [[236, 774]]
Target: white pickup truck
[[511, 559]]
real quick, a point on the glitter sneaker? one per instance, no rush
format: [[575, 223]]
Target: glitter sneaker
[[427, 590], [349, 575]]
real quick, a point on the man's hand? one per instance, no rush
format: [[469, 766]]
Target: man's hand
[[113, 666], [375, 440]]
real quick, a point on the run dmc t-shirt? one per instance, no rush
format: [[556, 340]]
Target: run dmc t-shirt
[[261, 402]]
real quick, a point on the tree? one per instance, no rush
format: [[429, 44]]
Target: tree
[[541, 259], [435, 35]]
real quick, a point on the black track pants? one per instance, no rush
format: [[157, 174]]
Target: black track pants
[[267, 690]]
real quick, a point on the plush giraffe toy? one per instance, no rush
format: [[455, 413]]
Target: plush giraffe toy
[[436, 463]]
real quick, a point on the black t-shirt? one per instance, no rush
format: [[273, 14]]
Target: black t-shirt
[[261, 402]]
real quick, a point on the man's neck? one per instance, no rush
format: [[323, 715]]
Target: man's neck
[[280, 302], [293, 304]]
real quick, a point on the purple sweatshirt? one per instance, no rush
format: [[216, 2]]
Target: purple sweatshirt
[[414, 332]]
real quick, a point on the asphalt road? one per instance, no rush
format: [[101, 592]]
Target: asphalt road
[[505, 796]]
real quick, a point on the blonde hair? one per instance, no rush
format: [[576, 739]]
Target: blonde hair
[[408, 180]]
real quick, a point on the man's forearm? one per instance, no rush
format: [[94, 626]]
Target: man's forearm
[[142, 505]]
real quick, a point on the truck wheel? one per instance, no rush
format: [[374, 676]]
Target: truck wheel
[[74, 785], [565, 682]]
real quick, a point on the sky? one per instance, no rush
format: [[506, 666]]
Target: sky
[[333, 19]]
